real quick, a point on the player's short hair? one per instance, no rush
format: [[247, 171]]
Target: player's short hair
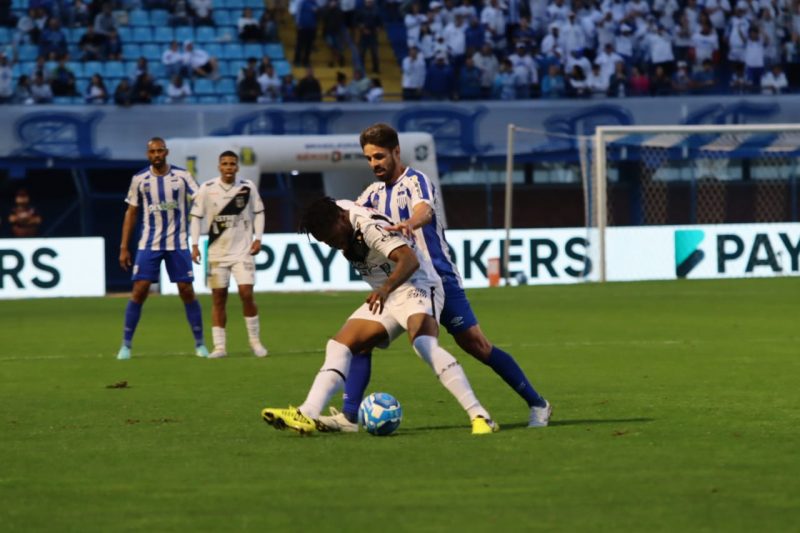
[[380, 134], [319, 216], [157, 140], [229, 153]]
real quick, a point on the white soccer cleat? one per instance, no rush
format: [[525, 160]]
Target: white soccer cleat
[[337, 422], [258, 349], [540, 416], [218, 353]]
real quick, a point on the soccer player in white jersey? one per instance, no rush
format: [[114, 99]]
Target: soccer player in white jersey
[[234, 214], [163, 192], [405, 194], [406, 296]]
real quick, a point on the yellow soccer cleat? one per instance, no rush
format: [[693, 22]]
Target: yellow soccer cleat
[[290, 418], [484, 426]]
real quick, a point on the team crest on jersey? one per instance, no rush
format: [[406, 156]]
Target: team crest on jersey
[[240, 202], [146, 187], [176, 184], [402, 198]]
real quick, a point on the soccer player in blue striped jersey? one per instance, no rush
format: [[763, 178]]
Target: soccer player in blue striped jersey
[[407, 195], [163, 192]]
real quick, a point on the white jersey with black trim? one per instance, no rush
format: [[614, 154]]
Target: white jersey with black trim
[[165, 202], [228, 210], [372, 244], [397, 201]]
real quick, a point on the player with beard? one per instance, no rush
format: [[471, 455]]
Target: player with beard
[[407, 195], [164, 192]]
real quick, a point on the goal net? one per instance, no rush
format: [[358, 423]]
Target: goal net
[[676, 175]]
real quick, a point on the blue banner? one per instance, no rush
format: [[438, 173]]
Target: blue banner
[[459, 129]]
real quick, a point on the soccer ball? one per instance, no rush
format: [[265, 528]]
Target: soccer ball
[[380, 414]]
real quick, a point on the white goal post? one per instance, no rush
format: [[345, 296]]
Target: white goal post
[[693, 174], [664, 175]]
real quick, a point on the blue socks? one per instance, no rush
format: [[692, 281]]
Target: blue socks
[[508, 369], [133, 312], [194, 315], [356, 383]]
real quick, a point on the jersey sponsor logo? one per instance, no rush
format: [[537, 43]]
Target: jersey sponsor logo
[[457, 321], [163, 206]]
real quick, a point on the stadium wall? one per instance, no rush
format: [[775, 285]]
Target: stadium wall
[[460, 130]]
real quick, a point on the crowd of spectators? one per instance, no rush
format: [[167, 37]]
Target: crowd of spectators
[[457, 49], [600, 48]]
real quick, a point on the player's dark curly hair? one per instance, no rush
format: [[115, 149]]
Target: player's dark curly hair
[[229, 153], [318, 216], [380, 134]]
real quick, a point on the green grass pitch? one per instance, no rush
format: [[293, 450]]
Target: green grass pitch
[[676, 408]]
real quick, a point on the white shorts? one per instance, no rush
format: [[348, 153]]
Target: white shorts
[[219, 273], [405, 301]]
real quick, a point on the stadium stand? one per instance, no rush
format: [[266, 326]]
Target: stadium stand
[[555, 48]]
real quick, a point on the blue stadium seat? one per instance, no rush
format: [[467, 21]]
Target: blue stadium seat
[[125, 34], [143, 34], [62, 100], [274, 50], [226, 86], [158, 70], [76, 68], [230, 98], [152, 52], [74, 34], [227, 34], [253, 50], [28, 52], [131, 51], [222, 17], [223, 68], [232, 51], [138, 17], [205, 34], [159, 17], [114, 69], [28, 67], [163, 34], [203, 86], [207, 99], [254, 4], [80, 86], [214, 50], [186, 33], [235, 66], [282, 67], [92, 67], [16, 70]]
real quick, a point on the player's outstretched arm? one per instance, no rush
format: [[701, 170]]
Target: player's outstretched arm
[[422, 215], [406, 263], [127, 230]]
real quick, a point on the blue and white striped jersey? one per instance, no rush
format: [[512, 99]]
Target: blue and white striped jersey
[[165, 202], [397, 201]]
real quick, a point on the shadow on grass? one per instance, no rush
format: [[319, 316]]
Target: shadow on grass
[[554, 423]]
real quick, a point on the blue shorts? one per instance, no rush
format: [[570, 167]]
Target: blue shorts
[[457, 315], [148, 265]]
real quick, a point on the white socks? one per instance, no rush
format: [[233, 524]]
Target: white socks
[[218, 336], [450, 374], [329, 379], [253, 330]]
